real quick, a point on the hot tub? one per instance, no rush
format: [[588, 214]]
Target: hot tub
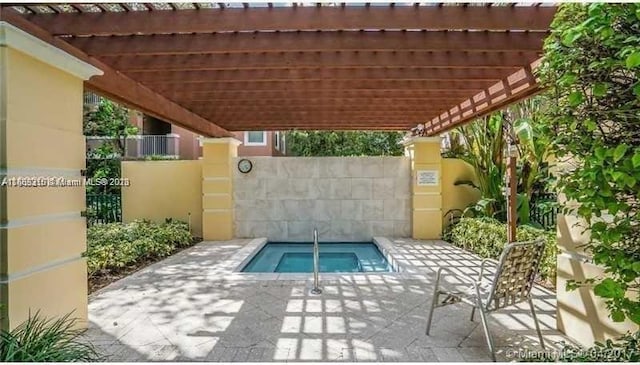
[[335, 257]]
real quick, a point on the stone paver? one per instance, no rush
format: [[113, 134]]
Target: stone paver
[[193, 306]]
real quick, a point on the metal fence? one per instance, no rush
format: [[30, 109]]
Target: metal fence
[[91, 99], [103, 208], [544, 209], [154, 145], [140, 146]]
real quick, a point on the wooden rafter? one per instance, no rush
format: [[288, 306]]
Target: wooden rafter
[[102, 7], [408, 109], [182, 77], [296, 96], [299, 18], [126, 7], [294, 102], [162, 44], [346, 59], [292, 116], [322, 85], [517, 86]]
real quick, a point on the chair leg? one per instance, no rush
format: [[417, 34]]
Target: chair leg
[[434, 300], [473, 313], [487, 334], [535, 320]]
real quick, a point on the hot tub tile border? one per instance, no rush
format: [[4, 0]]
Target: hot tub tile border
[[244, 255]]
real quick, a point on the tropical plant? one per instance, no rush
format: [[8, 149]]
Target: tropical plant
[[46, 340], [592, 67], [344, 143], [526, 117], [485, 144]]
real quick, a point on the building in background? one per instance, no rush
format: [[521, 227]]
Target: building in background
[[159, 139], [261, 143]]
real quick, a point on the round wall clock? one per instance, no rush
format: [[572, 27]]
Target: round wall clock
[[245, 166]]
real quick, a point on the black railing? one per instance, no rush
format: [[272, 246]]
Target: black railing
[[104, 208], [544, 209]]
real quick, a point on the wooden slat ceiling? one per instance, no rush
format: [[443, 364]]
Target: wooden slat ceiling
[[218, 67]]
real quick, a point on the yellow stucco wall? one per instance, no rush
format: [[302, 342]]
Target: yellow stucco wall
[[580, 314], [430, 203], [163, 189], [426, 209], [217, 188], [460, 196], [42, 234]]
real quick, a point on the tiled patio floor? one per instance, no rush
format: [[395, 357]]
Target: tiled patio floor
[[193, 307]]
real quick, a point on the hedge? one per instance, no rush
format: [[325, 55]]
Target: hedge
[[487, 238], [115, 246]]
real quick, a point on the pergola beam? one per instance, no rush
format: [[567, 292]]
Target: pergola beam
[[346, 126], [298, 96], [363, 104], [346, 59], [176, 44], [321, 124], [365, 114], [286, 123], [248, 103], [406, 110], [297, 18], [322, 86], [323, 74], [120, 87]]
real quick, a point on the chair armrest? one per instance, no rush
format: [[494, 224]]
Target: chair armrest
[[464, 277], [484, 263]]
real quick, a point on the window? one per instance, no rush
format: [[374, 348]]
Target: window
[[255, 138]]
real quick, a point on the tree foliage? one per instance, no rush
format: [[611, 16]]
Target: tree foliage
[[107, 120], [592, 67], [344, 143]]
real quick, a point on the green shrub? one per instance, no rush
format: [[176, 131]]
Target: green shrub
[[116, 245], [487, 238], [623, 349], [46, 340]]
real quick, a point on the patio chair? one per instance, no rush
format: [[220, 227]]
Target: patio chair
[[511, 284]]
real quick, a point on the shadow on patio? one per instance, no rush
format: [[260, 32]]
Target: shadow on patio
[[192, 307]]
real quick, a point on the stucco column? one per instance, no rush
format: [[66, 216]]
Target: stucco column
[[426, 187], [581, 314], [42, 232], [217, 187]]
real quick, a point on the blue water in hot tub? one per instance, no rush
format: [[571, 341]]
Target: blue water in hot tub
[[334, 257]]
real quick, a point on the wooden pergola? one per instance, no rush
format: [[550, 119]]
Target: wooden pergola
[[215, 67]]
